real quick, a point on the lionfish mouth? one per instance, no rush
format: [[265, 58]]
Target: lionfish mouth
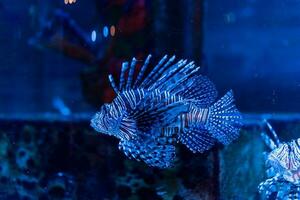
[[99, 124], [93, 124]]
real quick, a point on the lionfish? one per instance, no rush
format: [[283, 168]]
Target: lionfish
[[283, 171], [173, 103]]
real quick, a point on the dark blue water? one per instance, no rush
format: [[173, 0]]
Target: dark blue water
[[54, 63]]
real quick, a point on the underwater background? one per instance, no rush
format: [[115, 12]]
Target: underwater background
[[54, 61]]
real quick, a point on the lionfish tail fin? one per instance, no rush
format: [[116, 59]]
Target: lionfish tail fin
[[224, 121]]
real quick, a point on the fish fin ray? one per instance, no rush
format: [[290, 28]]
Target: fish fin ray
[[130, 74], [128, 128], [197, 139], [174, 76], [113, 84], [165, 76], [149, 78], [142, 71], [200, 89], [151, 152], [122, 76], [224, 120]]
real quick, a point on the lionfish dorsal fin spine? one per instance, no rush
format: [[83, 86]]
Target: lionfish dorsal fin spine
[[142, 71], [155, 69], [122, 76], [159, 73], [130, 74], [177, 77], [176, 68], [166, 76], [173, 87], [113, 83], [273, 132]]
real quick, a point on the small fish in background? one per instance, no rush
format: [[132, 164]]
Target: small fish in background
[[60, 106], [174, 103], [283, 171]]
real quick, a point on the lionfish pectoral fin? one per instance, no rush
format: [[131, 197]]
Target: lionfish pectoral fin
[[152, 113], [161, 156], [152, 153], [131, 148], [128, 129], [197, 139], [224, 120]]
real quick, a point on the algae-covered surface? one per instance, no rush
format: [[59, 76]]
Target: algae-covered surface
[[68, 160]]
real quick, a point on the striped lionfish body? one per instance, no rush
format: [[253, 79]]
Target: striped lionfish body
[[172, 104], [283, 169]]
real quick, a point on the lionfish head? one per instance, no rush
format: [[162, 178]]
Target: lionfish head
[[286, 160], [104, 121]]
